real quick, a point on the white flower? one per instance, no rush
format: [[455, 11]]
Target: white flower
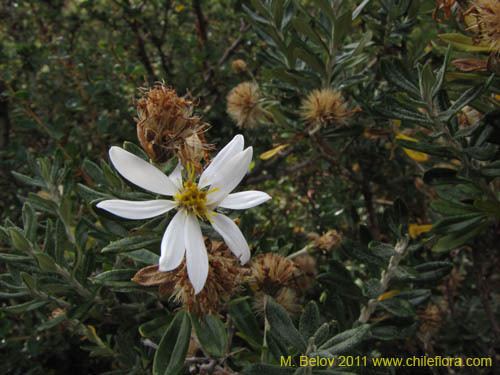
[[193, 201]]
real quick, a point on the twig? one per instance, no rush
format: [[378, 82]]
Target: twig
[[400, 249]]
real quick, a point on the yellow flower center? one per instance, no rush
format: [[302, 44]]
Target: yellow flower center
[[193, 199]]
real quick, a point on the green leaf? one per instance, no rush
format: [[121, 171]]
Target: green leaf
[[346, 341], [459, 223], [29, 180], [142, 256], [427, 148], [453, 241], [131, 243], [466, 98], [310, 59], [463, 42], [433, 271], [398, 307], [441, 73], [30, 223], [19, 240], [211, 333], [394, 72], [93, 171], [23, 307], [245, 322], [321, 334], [171, 353], [282, 327], [452, 208], [309, 320], [359, 9], [155, 327], [106, 278], [45, 262]]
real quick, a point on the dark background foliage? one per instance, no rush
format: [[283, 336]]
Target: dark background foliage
[[70, 72]]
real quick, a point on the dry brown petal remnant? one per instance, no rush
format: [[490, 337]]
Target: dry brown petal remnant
[[244, 105], [281, 278], [324, 107], [487, 14], [166, 127], [223, 281]]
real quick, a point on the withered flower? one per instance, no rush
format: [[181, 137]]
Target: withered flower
[[244, 105], [487, 14], [166, 127], [239, 66], [328, 240], [324, 107], [276, 276], [223, 281]]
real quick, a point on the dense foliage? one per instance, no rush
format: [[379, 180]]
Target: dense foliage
[[376, 130]]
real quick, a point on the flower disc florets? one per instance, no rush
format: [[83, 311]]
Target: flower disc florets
[[193, 199]]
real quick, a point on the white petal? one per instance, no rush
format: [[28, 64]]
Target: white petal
[[244, 199], [229, 176], [172, 243], [227, 153], [140, 172], [196, 254], [137, 209], [176, 176], [232, 236]]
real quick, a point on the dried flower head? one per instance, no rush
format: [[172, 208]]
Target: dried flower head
[[166, 127], [270, 272], [223, 281], [280, 278], [328, 240], [239, 66], [244, 105], [324, 107], [487, 14]]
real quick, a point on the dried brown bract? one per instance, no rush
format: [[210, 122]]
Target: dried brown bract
[[223, 281], [166, 127]]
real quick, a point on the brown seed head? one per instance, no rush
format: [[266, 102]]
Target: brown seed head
[[166, 127], [243, 105], [325, 107], [281, 278], [239, 66], [270, 272], [487, 14], [223, 281], [328, 241]]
